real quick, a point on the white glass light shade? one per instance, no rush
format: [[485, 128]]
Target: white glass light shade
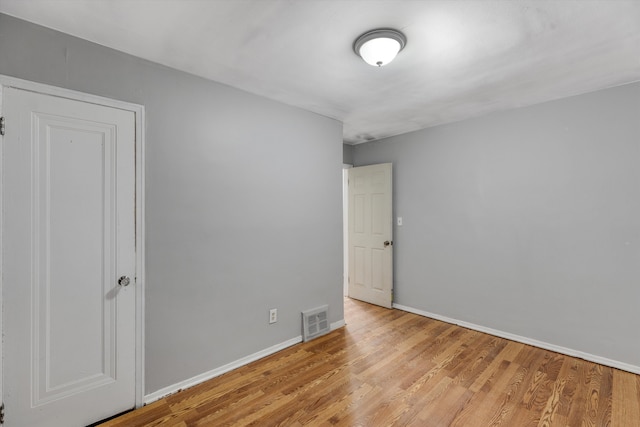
[[379, 52], [379, 47]]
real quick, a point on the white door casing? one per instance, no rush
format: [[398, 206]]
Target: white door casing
[[345, 227], [371, 234], [72, 335]]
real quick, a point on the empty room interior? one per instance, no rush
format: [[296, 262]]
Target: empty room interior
[[220, 212]]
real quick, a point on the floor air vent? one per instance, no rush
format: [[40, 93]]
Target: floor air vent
[[315, 322]]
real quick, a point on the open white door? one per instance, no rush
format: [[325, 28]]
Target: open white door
[[68, 260], [371, 234]]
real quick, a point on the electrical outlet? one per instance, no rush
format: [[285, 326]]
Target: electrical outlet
[[273, 315]]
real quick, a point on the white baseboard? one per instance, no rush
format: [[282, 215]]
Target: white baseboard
[[174, 388], [529, 341], [337, 325], [163, 392]]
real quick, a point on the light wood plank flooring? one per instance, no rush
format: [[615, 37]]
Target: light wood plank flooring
[[391, 368]]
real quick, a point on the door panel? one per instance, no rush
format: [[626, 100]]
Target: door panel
[[358, 215], [370, 226], [71, 213], [68, 233]]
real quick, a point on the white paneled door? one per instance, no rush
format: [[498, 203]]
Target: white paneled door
[[68, 260], [371, 234]]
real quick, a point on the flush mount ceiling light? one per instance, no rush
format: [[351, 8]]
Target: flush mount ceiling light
[[379, 47]]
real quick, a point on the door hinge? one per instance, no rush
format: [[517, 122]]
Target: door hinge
[[2, 126], [2, 414]]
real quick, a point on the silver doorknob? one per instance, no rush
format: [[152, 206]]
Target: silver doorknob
[[387, 243], [124, 281]]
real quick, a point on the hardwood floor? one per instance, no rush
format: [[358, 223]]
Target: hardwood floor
[[389, 367]]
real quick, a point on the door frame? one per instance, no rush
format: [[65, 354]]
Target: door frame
[[345, 228], [139, 113]]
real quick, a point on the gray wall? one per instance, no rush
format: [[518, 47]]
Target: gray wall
[[526, 221], [244, 208], [347, 154]]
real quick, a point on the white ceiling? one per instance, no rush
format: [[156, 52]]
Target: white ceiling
[[462, 59]]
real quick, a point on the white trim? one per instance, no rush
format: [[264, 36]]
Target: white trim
[[529, 341], [174, 388], [138, 110], [337, 325], [345, 229], [8, 81], [163, 392], [140, 253], [1, 249]]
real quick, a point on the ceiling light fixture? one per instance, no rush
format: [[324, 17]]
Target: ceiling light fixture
[[379, 47]]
